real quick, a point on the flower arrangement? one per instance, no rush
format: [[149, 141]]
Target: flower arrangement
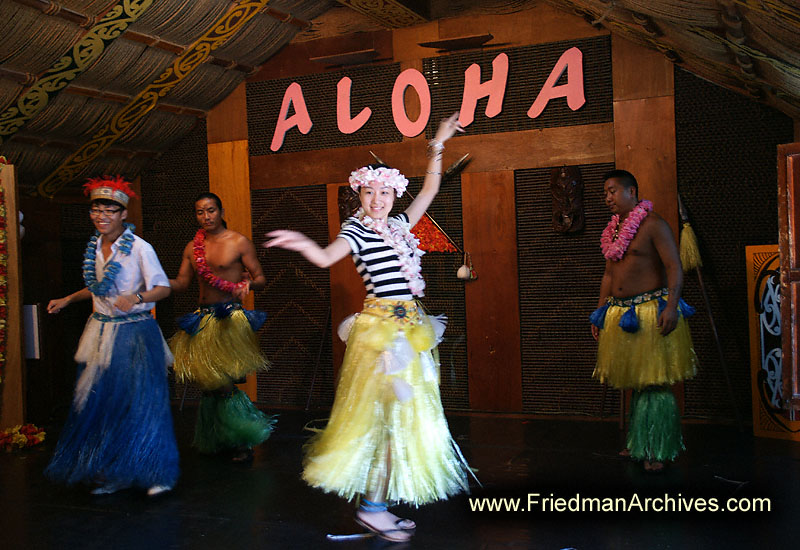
[[390, 177], [21, 437]]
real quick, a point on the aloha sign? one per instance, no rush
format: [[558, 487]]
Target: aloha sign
[[570, 61]]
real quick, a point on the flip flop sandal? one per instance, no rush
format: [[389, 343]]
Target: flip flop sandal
[[385, 535]]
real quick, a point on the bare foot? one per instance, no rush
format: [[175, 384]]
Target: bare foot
[[384, 524], [243, 456], [653, 467], [625, 453], [403, 523]]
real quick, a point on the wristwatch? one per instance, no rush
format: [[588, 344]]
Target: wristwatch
[[139, 297]]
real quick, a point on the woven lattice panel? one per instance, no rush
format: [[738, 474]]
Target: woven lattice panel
[[559, 282], [296, 299], [528, 69], [727, 178], [372, 87], [168, 192], [444, 292]]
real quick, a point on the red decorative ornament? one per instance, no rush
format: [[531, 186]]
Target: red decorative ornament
[[431, 238], [114, 188]]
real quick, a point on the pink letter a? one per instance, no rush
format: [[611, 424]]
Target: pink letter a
[[300, 118], [571, 61]]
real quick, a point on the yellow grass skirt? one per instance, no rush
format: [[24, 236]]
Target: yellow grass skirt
[[221, 350], [387, 424], [645, 357]]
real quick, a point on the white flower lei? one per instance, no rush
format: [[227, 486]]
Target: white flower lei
[[397, 235]]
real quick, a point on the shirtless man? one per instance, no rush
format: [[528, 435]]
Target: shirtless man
[[217, 343], [643, 338]]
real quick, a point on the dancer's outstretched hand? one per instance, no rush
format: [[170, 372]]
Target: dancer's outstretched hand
[[57, 305], [290, 240], [448, 128]]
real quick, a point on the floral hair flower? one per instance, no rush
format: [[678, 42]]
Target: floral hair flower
[[385, 176]]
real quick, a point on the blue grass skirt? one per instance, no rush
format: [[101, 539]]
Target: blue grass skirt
[[119, 430]]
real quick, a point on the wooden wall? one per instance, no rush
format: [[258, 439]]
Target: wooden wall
[[641, 139]]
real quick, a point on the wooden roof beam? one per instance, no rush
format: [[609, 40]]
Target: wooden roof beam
[[57, 10], [122, 98], [71, 145], [177, 49]]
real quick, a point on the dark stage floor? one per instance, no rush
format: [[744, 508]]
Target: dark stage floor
[[220, 505]]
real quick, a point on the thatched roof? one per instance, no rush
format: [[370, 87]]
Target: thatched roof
[[104, 86]]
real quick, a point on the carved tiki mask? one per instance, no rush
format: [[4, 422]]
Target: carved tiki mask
[[566, 187]]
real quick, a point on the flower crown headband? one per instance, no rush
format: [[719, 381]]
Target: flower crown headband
[[390, 177], [114, 188]]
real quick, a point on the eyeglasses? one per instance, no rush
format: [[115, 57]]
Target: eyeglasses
[[97, 212]]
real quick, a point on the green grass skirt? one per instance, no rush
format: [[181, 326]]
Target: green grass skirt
[[655, 425], [230, 422]]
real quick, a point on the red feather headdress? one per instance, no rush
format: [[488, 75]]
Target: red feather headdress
[[113, 188]]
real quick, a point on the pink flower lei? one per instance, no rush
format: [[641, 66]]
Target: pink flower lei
[[615, 239], [204, 271], [406, 246], [390, 177]]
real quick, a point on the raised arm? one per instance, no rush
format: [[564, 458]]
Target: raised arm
[[433, 174], [667, 250], [185, 272], [311, 251]]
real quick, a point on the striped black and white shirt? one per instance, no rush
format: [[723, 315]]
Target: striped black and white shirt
[[376, 261]]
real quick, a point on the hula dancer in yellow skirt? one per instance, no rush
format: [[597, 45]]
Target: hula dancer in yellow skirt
[[217, 344], [640, 324], [387, 439]]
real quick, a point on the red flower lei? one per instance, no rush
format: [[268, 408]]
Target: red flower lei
[[204, 271], [615, 239]]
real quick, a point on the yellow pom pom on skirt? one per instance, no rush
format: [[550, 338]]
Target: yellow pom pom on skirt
[[217, 345], [387, 424], [631, 351]]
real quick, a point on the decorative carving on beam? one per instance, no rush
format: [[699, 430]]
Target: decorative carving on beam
[[222, 30], [390, 13], [78, 59]]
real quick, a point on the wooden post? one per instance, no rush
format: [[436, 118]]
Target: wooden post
[[12, 410]]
